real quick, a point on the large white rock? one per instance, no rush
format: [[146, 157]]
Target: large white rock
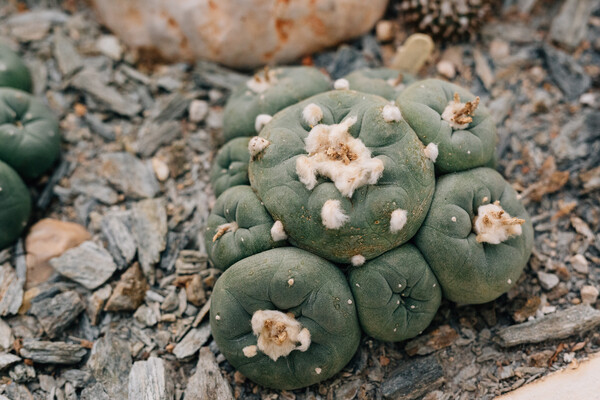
[[238, 33]]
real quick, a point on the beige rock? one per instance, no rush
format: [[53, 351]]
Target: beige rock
[[446, 68], [589, 294], [414, 53], [384, 30], [129, 293], [47, 239], [238, 33]]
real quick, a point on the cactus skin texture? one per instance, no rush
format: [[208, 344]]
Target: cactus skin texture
[[238, 226], [468, 271], [286, 86], [406, 183], [15, 205], [397, 294], [422, 105], [231, 166], [13, 71], [28, 133], [385, 82], [292, 281]]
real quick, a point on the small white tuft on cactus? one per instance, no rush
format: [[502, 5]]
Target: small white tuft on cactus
[[453, 219], [277, 232], [332, 214], [257, 145], [318, 370], [398, 220], [279, 334], [249, 351], [334, 153], [260, 121], [312, 114], [358, 260], [291, 282], [259, 83], [341, 84], [431, 151], [218, 317], [509, 281], [224, 228], [391, 113], [494, 225], [459, 115]]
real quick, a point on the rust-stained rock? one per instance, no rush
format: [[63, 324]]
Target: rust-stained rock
[[238, 33], [47, 239], [129, 292]]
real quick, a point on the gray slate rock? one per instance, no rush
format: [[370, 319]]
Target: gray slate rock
[[192, 342], [207, 382], [566, 72], [560, 325], [152, 136], [116, 227], [91, 82], [129, 175], [110, 363], [95, 392], [66, 55], [149, 228], [413, 378], [148, 381], [58, 313], [11, 291], [45, 352], [547, 281], [88, 264], [7, 359], [6, 336], [569, 27]]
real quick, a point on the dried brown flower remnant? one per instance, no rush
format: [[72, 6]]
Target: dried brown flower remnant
[[494, 225], [342, 153], [223, 229]]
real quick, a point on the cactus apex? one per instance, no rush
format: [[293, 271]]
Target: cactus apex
[[278, 333], [494, 225], [460, 115]]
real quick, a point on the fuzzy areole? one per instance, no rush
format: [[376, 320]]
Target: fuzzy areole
[[278, 334]]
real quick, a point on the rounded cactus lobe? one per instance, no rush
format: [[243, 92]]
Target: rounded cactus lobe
[[362, 225], [29, 136], [285, 86], [425, 102], [231, 166], [15, 205], [238, 227], [471, 272], [313, 291], [13, 71], [385, 82], [397, 294]]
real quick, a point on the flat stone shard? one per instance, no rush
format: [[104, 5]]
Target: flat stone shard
[[110, 364], [58, 313], [252, 32], [207, 382], [129, 175], [192, 342], [148, 380], [88, 264], [11, 291], [116, 227], [129, 293], [149, 228], [413, 378], [6, 336], [44, 352], [7, 359], [569, 27], [559, 325]]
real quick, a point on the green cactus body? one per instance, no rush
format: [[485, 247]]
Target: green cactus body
[[363, 186], [28, 133], [385, 82], [397, 294], [471, 270], [15, 205], [231, 166], [427, 107], [287, 280], [285, 86], [13, 71], [238, 227]]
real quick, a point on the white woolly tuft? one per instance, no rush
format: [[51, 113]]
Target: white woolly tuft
[[312, 114], [398, 220], [391, 113], [337, 155], [277, 232], [260, 83], [431, 151], [268, 326], [332, 214], [250, 351], [358, 260], [261, 120], [341, 84], [494, 225], [257, 144]]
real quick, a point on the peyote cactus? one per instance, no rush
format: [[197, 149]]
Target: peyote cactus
[[28, 133], [15, 205], [252, 104], [13, 71], [385, 82], [348, 177]]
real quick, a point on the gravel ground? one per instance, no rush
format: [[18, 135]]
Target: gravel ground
[[138, 141]]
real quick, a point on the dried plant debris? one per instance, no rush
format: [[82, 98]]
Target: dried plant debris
[[138, 145]]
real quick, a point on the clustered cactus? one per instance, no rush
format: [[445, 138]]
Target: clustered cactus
[[352, 210], [29, 144]]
